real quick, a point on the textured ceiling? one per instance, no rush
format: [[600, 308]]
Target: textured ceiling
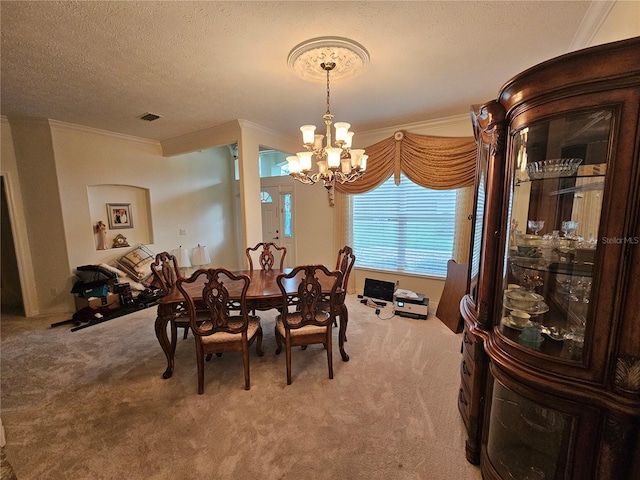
[[201, 64]]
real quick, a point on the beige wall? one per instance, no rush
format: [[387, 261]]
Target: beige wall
[[36, 171], [623, 21], [54, 177], [193, 191], [15, 206], [314, 225]]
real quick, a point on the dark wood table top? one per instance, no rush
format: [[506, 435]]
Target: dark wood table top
[[263, 286]]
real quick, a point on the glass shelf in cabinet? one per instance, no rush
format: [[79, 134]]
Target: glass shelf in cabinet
[[564, 268], [579, 188]]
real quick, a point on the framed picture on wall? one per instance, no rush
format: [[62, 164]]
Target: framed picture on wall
[[119, 215]]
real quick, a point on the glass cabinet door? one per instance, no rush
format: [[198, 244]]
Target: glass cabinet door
[[478, 221], [558, 170], [526, 441]]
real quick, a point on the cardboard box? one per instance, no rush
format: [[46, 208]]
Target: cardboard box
[[100, 291], [111, 300]]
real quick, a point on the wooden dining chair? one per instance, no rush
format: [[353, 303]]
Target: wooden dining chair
[[346, 259], [215, 330], [345, 262], [267, 258], [309, 323], [166, 273]]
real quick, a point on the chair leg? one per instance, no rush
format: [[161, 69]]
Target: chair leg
[[259, 350], [329, 346], [278, 341], [200, 361], [245, 361], [345, 312], [288, 347], [174, 337]]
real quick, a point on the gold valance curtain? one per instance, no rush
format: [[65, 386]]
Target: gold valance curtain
[[439, 163]]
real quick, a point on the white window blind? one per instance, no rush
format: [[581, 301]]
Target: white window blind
[[405, 228]]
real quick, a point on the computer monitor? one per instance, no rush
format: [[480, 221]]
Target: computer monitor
[[378, 290]]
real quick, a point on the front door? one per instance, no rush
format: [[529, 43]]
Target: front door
[[270, 201], [277, 222]]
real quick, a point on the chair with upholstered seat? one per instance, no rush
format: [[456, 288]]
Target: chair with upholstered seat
[[346, 259], [166, 273], [215, 330], [345, 262], [309, 323], [266, 260]]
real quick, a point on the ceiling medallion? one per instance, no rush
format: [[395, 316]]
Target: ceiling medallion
[[337, 162], [306, 58]]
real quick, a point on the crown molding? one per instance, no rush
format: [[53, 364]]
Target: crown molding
[[225, 134], [56, 124], [219, 135], [591, 23], [261, 129], [422, 127], [231, 132]]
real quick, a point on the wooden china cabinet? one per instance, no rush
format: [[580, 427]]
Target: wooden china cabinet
[[550, 370]]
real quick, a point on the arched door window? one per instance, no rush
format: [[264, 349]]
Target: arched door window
[[265, 197]]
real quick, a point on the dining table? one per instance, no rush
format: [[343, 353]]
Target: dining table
[[263, 294]]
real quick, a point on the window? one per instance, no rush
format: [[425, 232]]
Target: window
[[273, 163], [405, 228], [265, 197], [287, 217]]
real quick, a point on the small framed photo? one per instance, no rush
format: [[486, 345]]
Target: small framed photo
[[119, 215]]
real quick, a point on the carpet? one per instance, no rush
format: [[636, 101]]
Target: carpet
[[92, 404]]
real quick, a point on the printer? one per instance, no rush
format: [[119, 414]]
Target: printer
[[411, 305]]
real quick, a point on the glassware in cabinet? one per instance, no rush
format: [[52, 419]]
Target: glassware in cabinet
[[558, 171]]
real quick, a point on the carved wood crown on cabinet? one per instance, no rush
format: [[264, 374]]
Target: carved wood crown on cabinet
[[556, 396]]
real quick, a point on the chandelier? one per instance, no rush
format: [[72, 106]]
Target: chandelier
[[335, 159]]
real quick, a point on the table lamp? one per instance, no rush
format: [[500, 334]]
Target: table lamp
[[200, 256], [182, 255]]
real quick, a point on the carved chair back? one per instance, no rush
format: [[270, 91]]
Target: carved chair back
[[212, 314], [216, 331], [311, 322], [267, 258], [317, 288], [165, 271], [346, 259]]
